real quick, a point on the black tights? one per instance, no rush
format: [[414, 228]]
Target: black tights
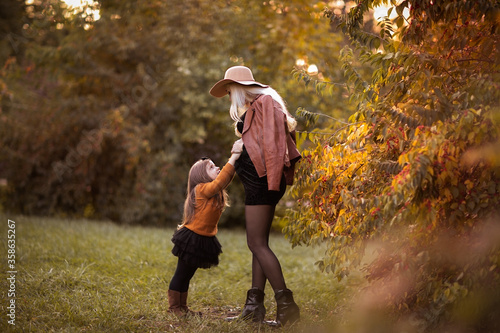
[[265, 265], [182, 276]]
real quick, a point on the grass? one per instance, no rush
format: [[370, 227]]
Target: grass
[[80, 275]]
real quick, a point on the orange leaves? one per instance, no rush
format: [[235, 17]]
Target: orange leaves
[[419, 161]]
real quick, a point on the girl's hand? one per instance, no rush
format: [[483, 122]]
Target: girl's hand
[[236, 151], [237, 147]]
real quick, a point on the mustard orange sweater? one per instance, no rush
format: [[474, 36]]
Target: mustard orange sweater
[[207, 215]]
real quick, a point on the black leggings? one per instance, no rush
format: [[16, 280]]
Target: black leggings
[[182, 276], [265, 264]]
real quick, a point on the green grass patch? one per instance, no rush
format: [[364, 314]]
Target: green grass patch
[[80, 275]]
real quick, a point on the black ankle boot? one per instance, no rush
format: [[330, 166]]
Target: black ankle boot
[[287, 311], [254, 309]]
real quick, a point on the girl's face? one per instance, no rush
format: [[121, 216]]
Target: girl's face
[[212, 170]]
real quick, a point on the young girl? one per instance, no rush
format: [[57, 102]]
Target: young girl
[[195, 243]]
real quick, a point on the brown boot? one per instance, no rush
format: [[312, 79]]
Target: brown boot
[[174, 302], [184, 307]]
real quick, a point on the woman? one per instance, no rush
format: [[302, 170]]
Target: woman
[[265, 167]]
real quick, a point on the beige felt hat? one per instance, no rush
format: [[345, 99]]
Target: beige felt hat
[[238, 74]]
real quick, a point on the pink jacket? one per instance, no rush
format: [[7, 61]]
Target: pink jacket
[[270, 145]]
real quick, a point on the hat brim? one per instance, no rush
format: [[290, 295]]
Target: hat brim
[[219, 89]]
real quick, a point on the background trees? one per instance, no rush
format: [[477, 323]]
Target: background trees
[[414, 176], [102, 116]]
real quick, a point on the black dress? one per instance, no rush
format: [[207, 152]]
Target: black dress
[[256, 188], [196, 250]]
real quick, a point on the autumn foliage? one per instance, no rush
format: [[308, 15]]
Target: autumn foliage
[[102, 118], [414, 175]]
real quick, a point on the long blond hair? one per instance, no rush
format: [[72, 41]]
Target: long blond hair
[[241, 95], [198, 175]]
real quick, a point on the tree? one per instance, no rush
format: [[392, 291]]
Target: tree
[[103, 118], [416, 171]]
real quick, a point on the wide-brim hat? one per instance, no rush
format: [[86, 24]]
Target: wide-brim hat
[[236, 74]]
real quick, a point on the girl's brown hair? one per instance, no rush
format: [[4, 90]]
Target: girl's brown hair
[[198, 175]]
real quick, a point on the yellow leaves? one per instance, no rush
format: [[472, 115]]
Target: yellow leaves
[[403, 159], [447, 194], [433, 190], [352, 167], [453, 176], [339, 227], [430, 170], [443, 177], [428, 185]]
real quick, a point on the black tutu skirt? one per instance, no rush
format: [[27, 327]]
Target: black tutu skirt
[[196, 250], [256, 188]]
